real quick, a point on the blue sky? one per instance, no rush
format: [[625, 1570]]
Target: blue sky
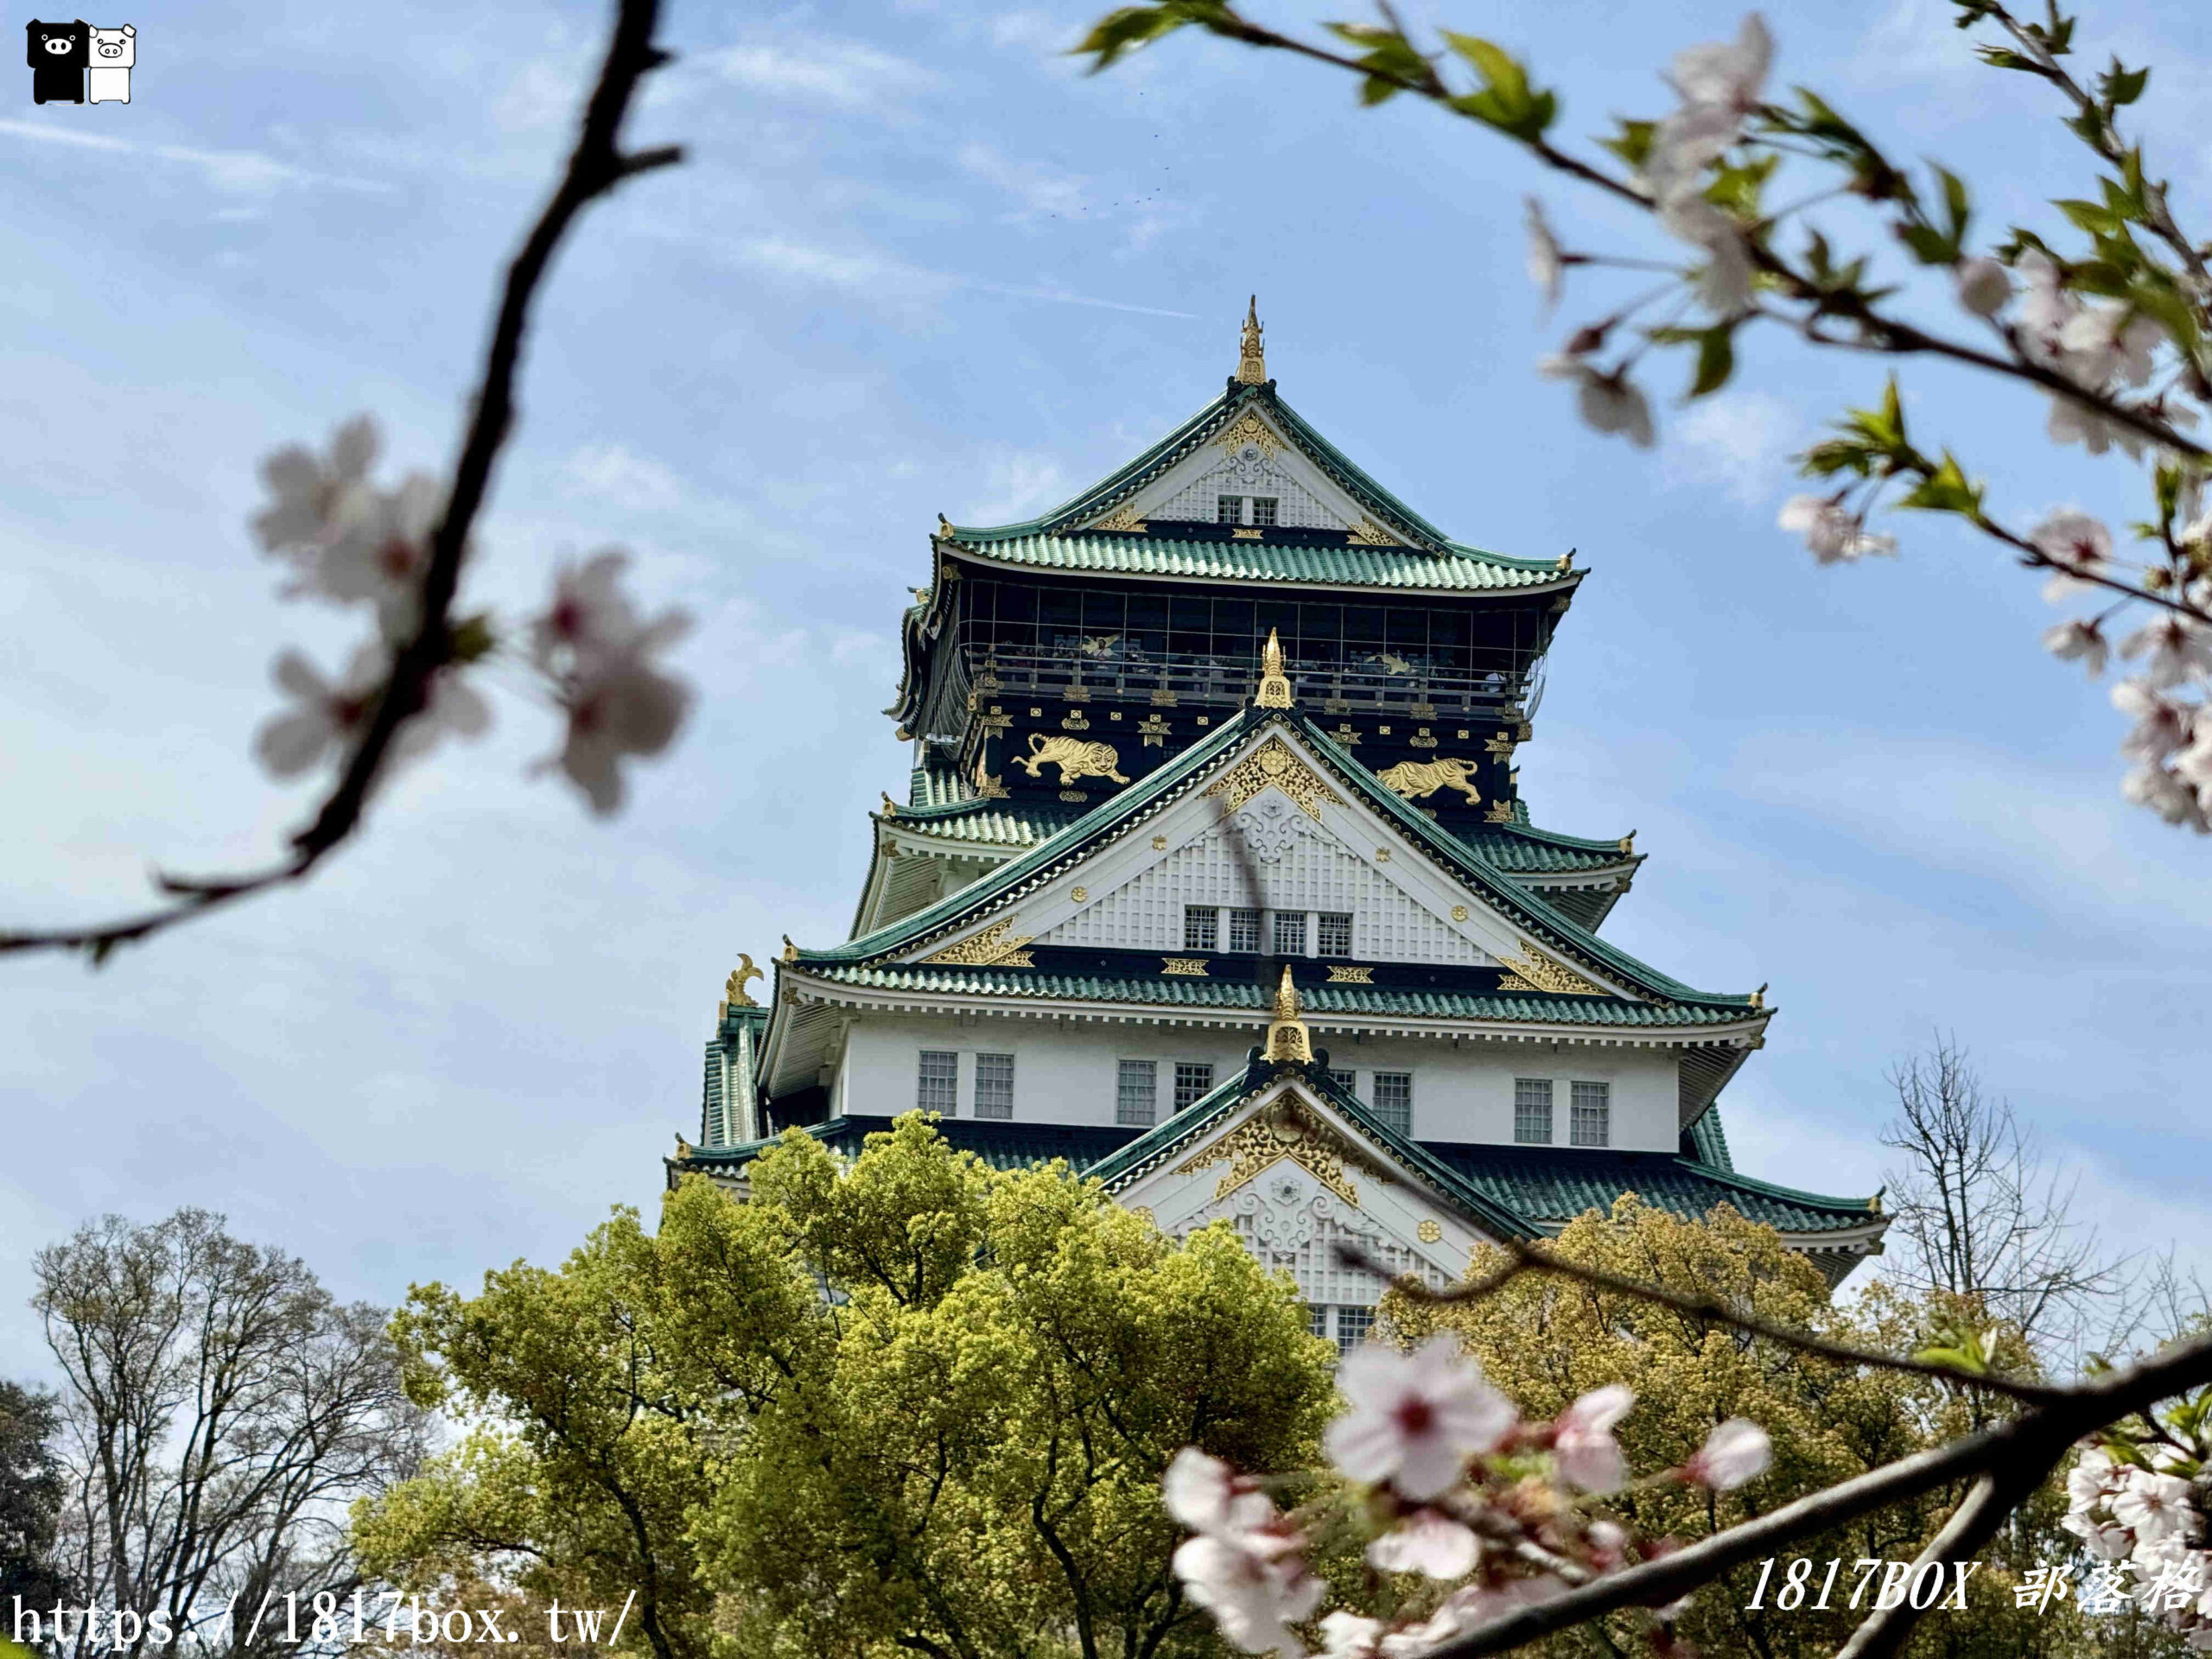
[[919, 264]]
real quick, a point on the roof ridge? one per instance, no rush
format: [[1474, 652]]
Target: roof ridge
[[1775, 1189]]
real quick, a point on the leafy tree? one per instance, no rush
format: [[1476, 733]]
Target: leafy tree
[[30, 1498], [1547, 1340], [916, 1405]]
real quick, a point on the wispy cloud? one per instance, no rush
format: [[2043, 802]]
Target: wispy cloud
[[841, 72], [897, 283], [613, 473], [1740, 440], [1019, 482], [1041, 189], [240, 172]]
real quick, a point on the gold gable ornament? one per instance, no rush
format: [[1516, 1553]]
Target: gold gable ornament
[[1529, 971], [1274, 684], [1273, 763], [1288, 1041], [992, 947], [1251, 358]]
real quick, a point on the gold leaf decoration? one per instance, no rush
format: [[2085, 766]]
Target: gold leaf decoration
[[1259, 1142], [1415, 778], [1185, 967], [996, 946], [1274, 763], [1125, 520], [1249, 428], [1531, 971], [1430, 1230], [1340, 974], [1368, 533]]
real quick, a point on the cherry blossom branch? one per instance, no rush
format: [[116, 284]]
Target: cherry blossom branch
[[1527, 1259], [2025, 1448], [1992, 1499], [596, 167]]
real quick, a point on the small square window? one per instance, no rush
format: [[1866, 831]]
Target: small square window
[[1532, 1111], [1333, 928], [1347, 1081], [1592, 1122], [1136, 1094], [939, 1089], [1245, 932], [1290, 932], [994, 1085], [1394, 1100], [1193, 1082], [1317, 1319], [1263, 509], [1229, 509], [1201, 928]]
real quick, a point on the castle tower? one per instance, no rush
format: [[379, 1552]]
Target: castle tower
[[1231, 732]]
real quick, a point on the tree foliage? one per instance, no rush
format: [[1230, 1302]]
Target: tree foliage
[[916, 1405], [1546, 1340], [30, 1496]]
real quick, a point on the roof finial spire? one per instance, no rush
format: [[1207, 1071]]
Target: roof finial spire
[[1288, 1041], [1252, 361], [1274, 684]]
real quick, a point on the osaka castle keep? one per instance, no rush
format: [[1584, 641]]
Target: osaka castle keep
[[1212, 877]]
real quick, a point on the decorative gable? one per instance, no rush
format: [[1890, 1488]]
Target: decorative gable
[[1251, 460]]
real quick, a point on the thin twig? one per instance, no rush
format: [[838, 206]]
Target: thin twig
[[2025, 1448], [1972, 1525], [596, 167], [1529, 1259]]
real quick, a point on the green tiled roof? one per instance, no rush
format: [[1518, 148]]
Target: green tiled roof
[[1522, 849], [998, 824], [1458, 569], [1556, 1184], [1319, 1001]]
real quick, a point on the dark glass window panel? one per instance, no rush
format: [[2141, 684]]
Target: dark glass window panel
[[1057, 608], [1017, 602], [1232, 628], [1409, 629], [1283, 618], [1364, 624], [1103, 613], [1148, 612]]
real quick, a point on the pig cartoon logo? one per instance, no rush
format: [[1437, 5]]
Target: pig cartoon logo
[[113, 51], [59, 55]]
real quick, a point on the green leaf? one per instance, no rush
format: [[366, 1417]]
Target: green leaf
[[2118, 85], [1633, 143], [1999, 57], [1945, 490], [1931, 247], [1122, 32], [1507, 101], [1956, 203], [2088, 216], [1716, 359]]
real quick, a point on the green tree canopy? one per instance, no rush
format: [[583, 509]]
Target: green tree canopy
[[915, 1405]]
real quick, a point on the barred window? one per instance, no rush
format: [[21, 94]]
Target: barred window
[[1592, 1122], [1245, 932], [994, 1085], [1334, 931], [1532, 1111], [1353, 1325], [1317, 1319], [1136, 1094], [1394, 1100], [1229, 509], [1347, 1081], [939, 1089], [1193, 1081], [1201, 928], [1263, 509], [1290, 932]]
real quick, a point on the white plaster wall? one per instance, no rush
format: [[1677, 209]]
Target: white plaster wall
[[1066, 1074]]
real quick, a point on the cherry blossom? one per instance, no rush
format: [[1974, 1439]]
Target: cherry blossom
[[2100, 342], [2046, 307], [1984, 286], [1254, 1597], [1427, 1542], [380, 550], [2174, 649], [2073, 421], [2078, 544], [1206, 1495], [2077, 641], [1583, 1445], [1724, 283], [328, 712], [1737, 1452], [2161, 724], [1350, 1635], [2166, 795], [2151, 1506], [311, 490], [591, 642], [1413, 1419], [1726, 74], [1831, 531], [1546, 263], [1607, 403]]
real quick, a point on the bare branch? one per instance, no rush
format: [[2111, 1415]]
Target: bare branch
[[596, 167], [1527, 1258]]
